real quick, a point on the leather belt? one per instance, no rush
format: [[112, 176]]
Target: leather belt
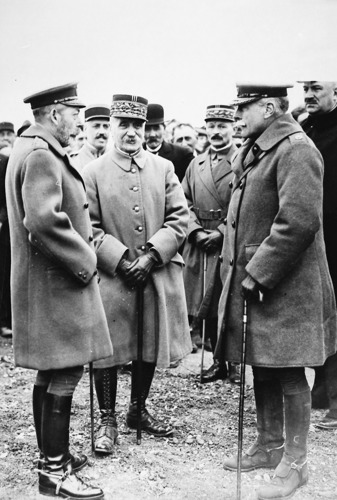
[[210, 214]]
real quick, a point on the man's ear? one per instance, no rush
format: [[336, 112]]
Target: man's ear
[[270, 109], [54, 115]]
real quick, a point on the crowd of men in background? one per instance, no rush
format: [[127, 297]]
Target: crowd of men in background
[[202, 160]]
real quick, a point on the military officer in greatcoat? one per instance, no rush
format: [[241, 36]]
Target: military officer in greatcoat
[[139, 217], [207, 189], [96, 131], [274, 248], [59, 322]]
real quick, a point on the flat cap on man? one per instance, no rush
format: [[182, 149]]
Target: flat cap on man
[[220, 112], [250, 92], [6, 126], [129, 106], [97, 112], [155, 114], [63, 94]]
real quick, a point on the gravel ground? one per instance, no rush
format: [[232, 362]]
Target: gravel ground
[[186, 466]]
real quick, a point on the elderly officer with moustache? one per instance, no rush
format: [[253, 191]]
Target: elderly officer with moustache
[[207, 189], [59, 322], [321, 126], [139, 216], [273, 244], [96, 130]]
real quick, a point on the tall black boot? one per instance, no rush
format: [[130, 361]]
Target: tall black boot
[[292, 472], [149, 423], [56, 478], [218, 370], [267, 451], [39, 393], [106, 390]]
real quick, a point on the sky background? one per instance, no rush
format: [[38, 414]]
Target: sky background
[[184, 54]]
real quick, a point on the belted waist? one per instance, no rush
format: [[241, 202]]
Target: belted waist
[[210, 214]]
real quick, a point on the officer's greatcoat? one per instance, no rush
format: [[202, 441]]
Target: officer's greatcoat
[[274, 233], [207, 192], [58, 315], [135, 204]]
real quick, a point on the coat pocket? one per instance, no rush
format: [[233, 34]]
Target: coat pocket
[[250, 251]]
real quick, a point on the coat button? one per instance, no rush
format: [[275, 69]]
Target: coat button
[[80, 273], [136, 208], [225, 221], [133, 170], [221, 259], [86, 205], [233, 223], [230, 184], [231, 262], [143, 247], [140, 228], [241, 185], [135, 188], [91, 238]]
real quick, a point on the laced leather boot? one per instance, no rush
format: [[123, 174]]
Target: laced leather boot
[[106, 389], [56, 477], [148, 423], [77, 461]]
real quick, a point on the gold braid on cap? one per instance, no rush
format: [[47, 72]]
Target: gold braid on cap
[[220, 113], [127, 108]]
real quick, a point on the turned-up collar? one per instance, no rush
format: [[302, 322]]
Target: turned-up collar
[[278, 130], [38, 130]]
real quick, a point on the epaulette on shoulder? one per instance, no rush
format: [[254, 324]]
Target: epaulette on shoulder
[[39, 143], [297, 137]]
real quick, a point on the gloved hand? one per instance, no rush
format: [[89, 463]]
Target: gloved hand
[[140, 268], [123, 267], [212, 242], [251, 289], [198, 238]]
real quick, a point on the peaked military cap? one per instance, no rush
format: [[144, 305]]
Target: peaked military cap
[[97, 112], [64, 94], [6, 126], [129, 106], [250, 92], [220, 112], [155, 114], [26, 124]]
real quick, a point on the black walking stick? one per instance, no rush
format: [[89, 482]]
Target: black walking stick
[[91, 382], [242, 395], [140, 307], [204, 320]]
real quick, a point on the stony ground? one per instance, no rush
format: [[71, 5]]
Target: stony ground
[[186, 466]]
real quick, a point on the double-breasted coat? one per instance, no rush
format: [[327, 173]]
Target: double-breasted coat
[[274, 234], [136, 204], [58, 315], [207, 192]]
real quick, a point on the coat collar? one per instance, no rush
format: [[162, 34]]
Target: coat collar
[[323, 122], [38, 130], [125, 162]]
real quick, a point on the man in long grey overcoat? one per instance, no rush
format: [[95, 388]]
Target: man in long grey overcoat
[[207, 189], [59, 322], [139, 216], [273, 245]]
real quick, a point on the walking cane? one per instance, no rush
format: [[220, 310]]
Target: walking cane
[[91, 382], [242, 395], [140, 306], [204, 320]]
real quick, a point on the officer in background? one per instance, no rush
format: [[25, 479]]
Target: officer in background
[[139, 217], [321, 126], [7, 136], [180, 156], [274, 255], [59, 322], [96, 130], [207, 190]]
